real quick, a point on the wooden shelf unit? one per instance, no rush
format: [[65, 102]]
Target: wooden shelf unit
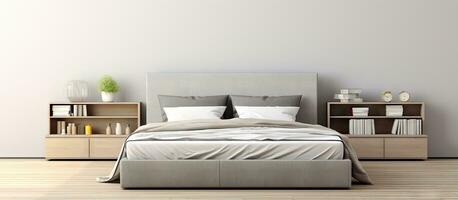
[[382, 145], [93, 117], [95, 146], [375, 117]]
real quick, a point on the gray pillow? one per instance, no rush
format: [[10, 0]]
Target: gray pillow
[[240, 100], [180, 101]]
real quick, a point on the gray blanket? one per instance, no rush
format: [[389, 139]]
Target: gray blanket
[[178, 131]]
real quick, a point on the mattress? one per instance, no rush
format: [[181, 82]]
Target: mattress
[[316, 149]]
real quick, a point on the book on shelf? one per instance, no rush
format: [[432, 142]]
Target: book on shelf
[[79, 110], [351, 91], [61, 114], [60, 107], [355, 100], [345, 96], [394, 110], [61, 127], [407, 127], [349, 95], [60, 110], [75, 110], [361, 127], [84, 110]]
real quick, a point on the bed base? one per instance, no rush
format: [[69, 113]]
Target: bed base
[[235, 174]]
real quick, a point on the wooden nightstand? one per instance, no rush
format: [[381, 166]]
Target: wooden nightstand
[[98, 145], [383, 144]]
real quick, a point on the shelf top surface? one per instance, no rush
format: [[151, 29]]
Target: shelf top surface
[[375, 117], [376, 103], [95, 117], [86, 136], [387, 135], [94, 102]]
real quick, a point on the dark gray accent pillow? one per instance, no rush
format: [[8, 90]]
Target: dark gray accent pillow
[[241, 100], [180, 101]]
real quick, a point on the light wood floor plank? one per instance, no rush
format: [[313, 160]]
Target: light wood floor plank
[[39, 179]]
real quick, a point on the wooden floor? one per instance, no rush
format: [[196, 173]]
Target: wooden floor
[[39, 179]]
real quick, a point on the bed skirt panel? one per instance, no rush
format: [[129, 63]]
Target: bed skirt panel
[[235, 174]]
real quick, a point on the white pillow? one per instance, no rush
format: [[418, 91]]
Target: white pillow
[[194, 112], [284, 113]]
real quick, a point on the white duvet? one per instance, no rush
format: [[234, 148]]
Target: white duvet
[[239, 134], [265, 143]]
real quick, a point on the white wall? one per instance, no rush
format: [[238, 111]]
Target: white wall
[[379, 44]]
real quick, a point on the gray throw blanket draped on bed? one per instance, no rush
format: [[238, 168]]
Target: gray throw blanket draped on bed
[[150, 132]]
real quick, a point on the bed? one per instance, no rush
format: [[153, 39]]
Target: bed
[[179, 159]]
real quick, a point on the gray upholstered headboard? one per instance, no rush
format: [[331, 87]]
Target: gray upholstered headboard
[[255, 84]]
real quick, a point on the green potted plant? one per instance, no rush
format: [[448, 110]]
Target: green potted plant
[[108, 87]]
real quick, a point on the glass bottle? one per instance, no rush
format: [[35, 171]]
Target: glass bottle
[[128, 131], [108, 129]]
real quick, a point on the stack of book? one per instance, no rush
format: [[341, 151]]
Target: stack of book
[[349, 95], [79, 110], [360, 111], [394, 110], [362, 127], [61, 110], [407, 127]]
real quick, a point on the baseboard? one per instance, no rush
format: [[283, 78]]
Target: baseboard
[[22, 157], [430, 158]]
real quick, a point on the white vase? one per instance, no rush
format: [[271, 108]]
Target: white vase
[[128, 131], [77, 91], [118, 130], [107, 96]]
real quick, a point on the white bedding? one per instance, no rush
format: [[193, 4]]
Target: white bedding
[[236, 144], [235, 150], [286, 113]]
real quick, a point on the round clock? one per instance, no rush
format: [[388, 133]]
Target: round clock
[[387, 96], [404, 96]]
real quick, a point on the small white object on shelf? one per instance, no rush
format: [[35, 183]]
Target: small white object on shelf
[[107, 96], [63, 128], [77, 90], [128, 130], [345, 96], [350, 91], [404, 96], [118, 129], [61, 110], [74, 129], [108, 129], [349, 95], [84, 110], [394, 110], [360, 111], [387, 96], [355, 100]]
